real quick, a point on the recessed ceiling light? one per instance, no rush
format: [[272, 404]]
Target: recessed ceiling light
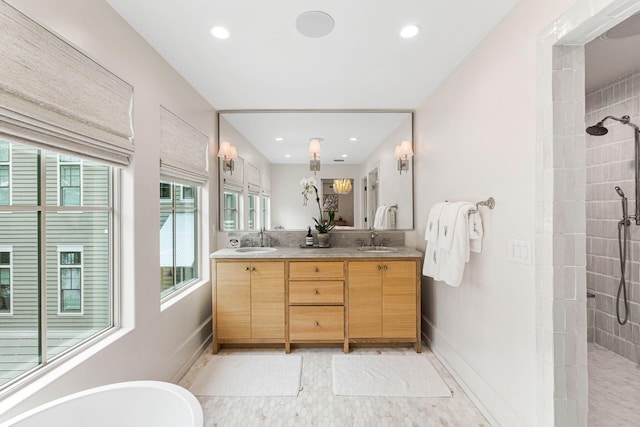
[[279, 139], [287, 155], [409, 31], [344, 155], [353, 138], [219, 32]]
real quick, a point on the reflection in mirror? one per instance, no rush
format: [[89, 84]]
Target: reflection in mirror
[[360, 177]]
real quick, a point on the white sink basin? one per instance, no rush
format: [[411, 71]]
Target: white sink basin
[[377, 249], [255, 250]]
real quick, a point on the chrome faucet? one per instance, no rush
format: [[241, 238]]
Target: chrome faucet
[[372, 237], [261, 237]]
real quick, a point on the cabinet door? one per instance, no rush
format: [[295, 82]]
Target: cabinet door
[[267, 299], [399, 299], [365, 299], [233, 299]]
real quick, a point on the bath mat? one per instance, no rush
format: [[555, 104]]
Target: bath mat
[[249, 376], [400, 376]]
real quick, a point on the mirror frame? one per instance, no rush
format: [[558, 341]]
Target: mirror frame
[[219, 174]]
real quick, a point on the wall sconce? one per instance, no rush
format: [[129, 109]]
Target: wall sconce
[[402, 154], [342, 186], [314, 153], [228, 154]]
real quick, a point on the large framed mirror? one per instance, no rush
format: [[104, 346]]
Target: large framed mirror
[[364, 169]]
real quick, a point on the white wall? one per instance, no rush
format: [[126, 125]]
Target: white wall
[[475, 138], [156, 342]]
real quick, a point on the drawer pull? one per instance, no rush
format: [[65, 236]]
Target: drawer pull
[[315, 292], [316, 324], [316, 269]]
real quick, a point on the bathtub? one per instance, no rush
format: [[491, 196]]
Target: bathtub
[[127, 404]]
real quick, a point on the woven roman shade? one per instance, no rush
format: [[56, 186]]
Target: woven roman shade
[[55, 97], [183, 150]]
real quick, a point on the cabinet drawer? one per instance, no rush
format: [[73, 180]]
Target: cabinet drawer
[[316, 292], [316, 270], [316, 323]]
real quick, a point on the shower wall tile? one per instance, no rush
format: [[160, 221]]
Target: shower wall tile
[[609, 162]]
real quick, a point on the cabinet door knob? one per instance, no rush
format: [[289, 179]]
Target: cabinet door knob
[[379, 267], [316, 269], [386, 268], [254, 269], [316, 324], [246, 269], [315, 292]]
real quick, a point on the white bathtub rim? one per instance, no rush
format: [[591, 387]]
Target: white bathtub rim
[[182, 393]]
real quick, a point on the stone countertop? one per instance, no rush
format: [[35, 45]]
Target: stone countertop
[[332, 252]]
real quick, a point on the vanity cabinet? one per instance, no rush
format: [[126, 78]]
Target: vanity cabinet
[[383, 301], [316, 302], [249, 302]]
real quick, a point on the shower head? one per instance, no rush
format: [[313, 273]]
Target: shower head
[[619, 191], [598, 129]]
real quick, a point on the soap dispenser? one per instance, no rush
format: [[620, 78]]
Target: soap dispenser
[[309, 239]]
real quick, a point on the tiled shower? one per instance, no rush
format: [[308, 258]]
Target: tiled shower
[[610, 163]]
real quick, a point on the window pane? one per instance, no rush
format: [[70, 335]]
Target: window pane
[[86, 293], [186, 245], [70, 197], [5, 257], [4, 175], [165, 194], [252, 214], [185, 196], [231, 212], [19, 312], [4, 151]]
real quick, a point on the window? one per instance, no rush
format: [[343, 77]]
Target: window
[[5, 280], [178, 239], [252, 217], [56, 261], [231, 219], [70, 181], [5, 173], [70, 280], [165, 190]]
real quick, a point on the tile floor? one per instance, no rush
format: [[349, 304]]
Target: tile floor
[[614, 389], [317, 406]]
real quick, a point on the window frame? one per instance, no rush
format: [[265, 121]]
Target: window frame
[[60, 251], [238, 210], [10, 267], [256, 211]]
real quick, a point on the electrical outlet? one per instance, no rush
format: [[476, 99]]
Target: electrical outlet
[[520, 251]]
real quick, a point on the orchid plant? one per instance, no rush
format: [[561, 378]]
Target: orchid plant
[[310, 186]]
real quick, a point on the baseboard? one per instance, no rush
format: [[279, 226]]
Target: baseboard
[[492, 406], [197, 352]]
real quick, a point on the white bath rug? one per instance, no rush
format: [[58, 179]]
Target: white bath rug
[[402, 376], [253, 375]]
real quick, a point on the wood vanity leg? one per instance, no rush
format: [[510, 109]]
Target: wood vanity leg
[[346, 347], [216, 346], [287, 347]]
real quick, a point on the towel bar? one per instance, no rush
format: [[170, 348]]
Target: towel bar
[[490, 203]]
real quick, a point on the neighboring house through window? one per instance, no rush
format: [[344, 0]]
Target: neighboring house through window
[[70, 279], [6, 280], [70, 181], [5, 173]]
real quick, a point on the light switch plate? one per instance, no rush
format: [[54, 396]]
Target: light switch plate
[[520, 251]]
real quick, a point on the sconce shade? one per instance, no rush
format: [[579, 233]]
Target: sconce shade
[[342, 186], [405, 148], [314, 147], [227, 151]]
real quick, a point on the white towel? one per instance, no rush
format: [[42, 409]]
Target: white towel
[[431, 266], [458, 232], [378, 220], [385, 218], [476, 232]]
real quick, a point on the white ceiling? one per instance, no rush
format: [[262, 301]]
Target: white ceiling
[[267, 64], [613, 54]]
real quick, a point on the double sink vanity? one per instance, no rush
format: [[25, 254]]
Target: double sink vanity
[[299, 296]]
